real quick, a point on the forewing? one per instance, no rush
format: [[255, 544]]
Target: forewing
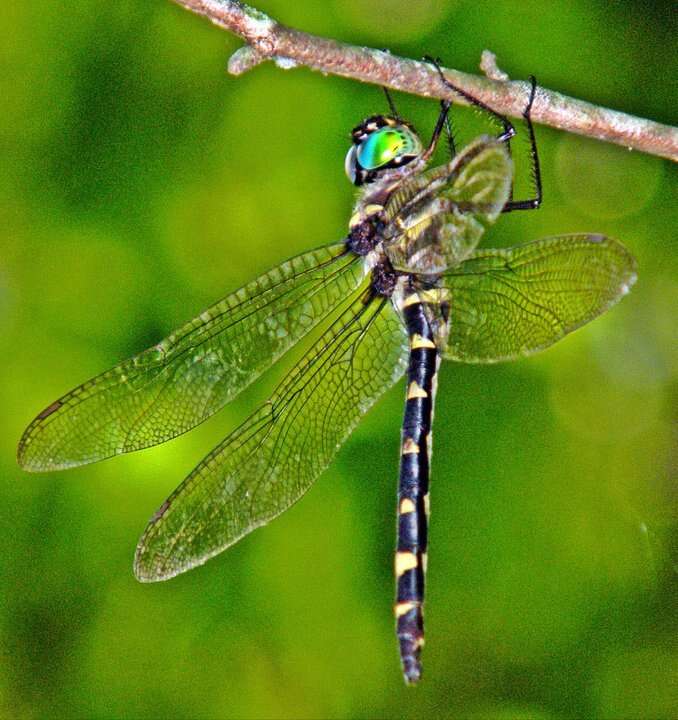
[[178, 383], [270, 461], [438, 217], [516, 301]]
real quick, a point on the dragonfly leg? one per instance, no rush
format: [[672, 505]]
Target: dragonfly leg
[[449, 131], [391, 105], [413, 488], [508, 130], [508, 133], [441, 123], [535, 202]]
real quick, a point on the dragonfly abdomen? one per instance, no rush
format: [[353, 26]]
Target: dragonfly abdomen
[[413, 487]]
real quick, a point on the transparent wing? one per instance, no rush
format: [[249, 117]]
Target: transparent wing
[[270, 461], [517, 301], [178, 383], [438, 217]]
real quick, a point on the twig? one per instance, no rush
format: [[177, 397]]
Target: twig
[[488, 64], [268, 39]]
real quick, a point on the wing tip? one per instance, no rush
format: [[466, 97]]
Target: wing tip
[[28, 454], [146, 575], [145, 565], [627, 274], [27, 459], [30, 459], [150, 567], [23, 457]]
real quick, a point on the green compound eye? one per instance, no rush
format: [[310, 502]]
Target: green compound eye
[[385, 145]]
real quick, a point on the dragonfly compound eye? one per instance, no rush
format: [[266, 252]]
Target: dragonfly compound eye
[[380, 143], [388, 147]]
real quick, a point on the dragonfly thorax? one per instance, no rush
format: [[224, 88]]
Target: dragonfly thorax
[[380, 143]]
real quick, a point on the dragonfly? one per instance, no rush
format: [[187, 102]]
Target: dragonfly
[[406, 288]]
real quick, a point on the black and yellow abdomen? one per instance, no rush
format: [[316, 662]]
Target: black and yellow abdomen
[[413, 486]]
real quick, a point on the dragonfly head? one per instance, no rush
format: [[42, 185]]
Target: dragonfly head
[[380, 143]]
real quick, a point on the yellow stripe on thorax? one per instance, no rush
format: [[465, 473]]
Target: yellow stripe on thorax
[[364, 213]]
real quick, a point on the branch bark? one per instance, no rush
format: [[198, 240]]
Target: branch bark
[[269, 40]]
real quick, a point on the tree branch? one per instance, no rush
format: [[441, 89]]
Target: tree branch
[[267, 39]]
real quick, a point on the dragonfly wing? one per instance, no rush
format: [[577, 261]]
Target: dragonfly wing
[[513, 302], [271, 460], [181, 381], [438, 217]]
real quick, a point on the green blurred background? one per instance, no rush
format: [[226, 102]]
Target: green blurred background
[[139, 184]]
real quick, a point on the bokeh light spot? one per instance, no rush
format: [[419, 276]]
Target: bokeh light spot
[[604, 180]]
